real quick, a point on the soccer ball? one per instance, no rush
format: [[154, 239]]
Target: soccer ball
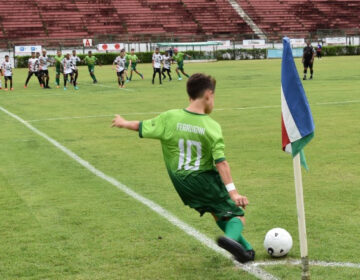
[[278, 242]]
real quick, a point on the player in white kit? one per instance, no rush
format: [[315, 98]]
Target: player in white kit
[[6, 69], [33, 65], [43, 67], [166, 65], [75, 60], [68, 68], [156, 63], [119, 63]]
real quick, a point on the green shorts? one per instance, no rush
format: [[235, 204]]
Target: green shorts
[[205, 192], [58, 69], [180, 66], [91, 68], [133, 66]]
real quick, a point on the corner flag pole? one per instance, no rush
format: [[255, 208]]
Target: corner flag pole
[[301, 218]]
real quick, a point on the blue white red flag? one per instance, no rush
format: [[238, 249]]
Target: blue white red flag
[[297, 123]]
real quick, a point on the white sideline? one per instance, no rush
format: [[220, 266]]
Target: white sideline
[[220, 109], [254, 270], [314, 263]]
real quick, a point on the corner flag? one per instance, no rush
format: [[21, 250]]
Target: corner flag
[[297, 124], [297, 130]]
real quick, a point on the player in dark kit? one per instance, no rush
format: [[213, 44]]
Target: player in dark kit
[[308, 59]]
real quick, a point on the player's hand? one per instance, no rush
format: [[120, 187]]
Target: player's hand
[[118, 121], [239, 199]]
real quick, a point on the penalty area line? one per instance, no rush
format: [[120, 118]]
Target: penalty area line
[[189, 230]]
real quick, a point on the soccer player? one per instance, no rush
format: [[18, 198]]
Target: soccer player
[[33, 65], [120, 62], [58, 67], [179, 58], [6, 69], [156, 63], [308, 59], [193, 150], [44, 71], [75, 73], [166, 65], [68, 69], [90, 60], [318, 50], [134, 60]]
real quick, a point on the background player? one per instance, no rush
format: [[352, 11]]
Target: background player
[[33, 65], [166, 65], [179, 58], [156, 63], [120, 62], [134, 60], [6, 68], [308, 59], [75, 74], [193, 150], [43, 70], [58, 67], [68, 69], [91, 60]]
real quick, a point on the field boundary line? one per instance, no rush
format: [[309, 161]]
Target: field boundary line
[[217, 110], [312, 262], [189, 230]]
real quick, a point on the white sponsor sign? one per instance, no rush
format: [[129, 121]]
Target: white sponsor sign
[[25, 50], [299, 41], [336, 41], [253, 42], [110, 47], [87, 42]]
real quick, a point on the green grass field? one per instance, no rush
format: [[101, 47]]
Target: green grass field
[[60, 221]]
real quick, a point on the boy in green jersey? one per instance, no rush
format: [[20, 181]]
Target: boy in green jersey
[[58, 67], [134, 60], [179, 58], [193, 150], [90, 60]]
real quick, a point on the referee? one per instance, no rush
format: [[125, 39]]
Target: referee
[[308, 59]]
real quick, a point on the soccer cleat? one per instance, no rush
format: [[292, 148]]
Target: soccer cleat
[[152, 81], [48, 87], [25, 86], [236, 249], [76, 88], [142, 77], [65, 88], [57, 86], [304, 78], [179, 79], [5, 89], [95, 82], [311, 78], [12, 88]]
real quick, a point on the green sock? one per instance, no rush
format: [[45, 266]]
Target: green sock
[[179, 75], [233, 229], [130, 76], [57, 81], [93, 77]]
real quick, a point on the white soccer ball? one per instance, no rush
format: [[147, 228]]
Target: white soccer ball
[[278, 242]]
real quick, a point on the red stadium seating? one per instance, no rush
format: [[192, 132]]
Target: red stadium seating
[[68, 21], [302, 16]]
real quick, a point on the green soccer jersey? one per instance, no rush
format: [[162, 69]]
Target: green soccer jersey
[[179, 57], [58, 60], [90, 61], [133, 58], [190, 142]]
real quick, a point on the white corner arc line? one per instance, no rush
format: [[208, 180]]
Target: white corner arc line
[[251, 269], [312, 262]]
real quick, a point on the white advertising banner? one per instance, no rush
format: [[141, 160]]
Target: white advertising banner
[[297, 42], [253, 42], [336, 41], [110, 47], [87, 42], [26, 50]]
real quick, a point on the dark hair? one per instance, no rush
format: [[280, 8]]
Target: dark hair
[[133, 49], [6, 56], [198, 84]]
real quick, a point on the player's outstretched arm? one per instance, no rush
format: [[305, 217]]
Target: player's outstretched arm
[[120, 122], [225, 173]]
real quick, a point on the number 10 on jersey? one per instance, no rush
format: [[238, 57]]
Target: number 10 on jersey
[[185, 155]]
